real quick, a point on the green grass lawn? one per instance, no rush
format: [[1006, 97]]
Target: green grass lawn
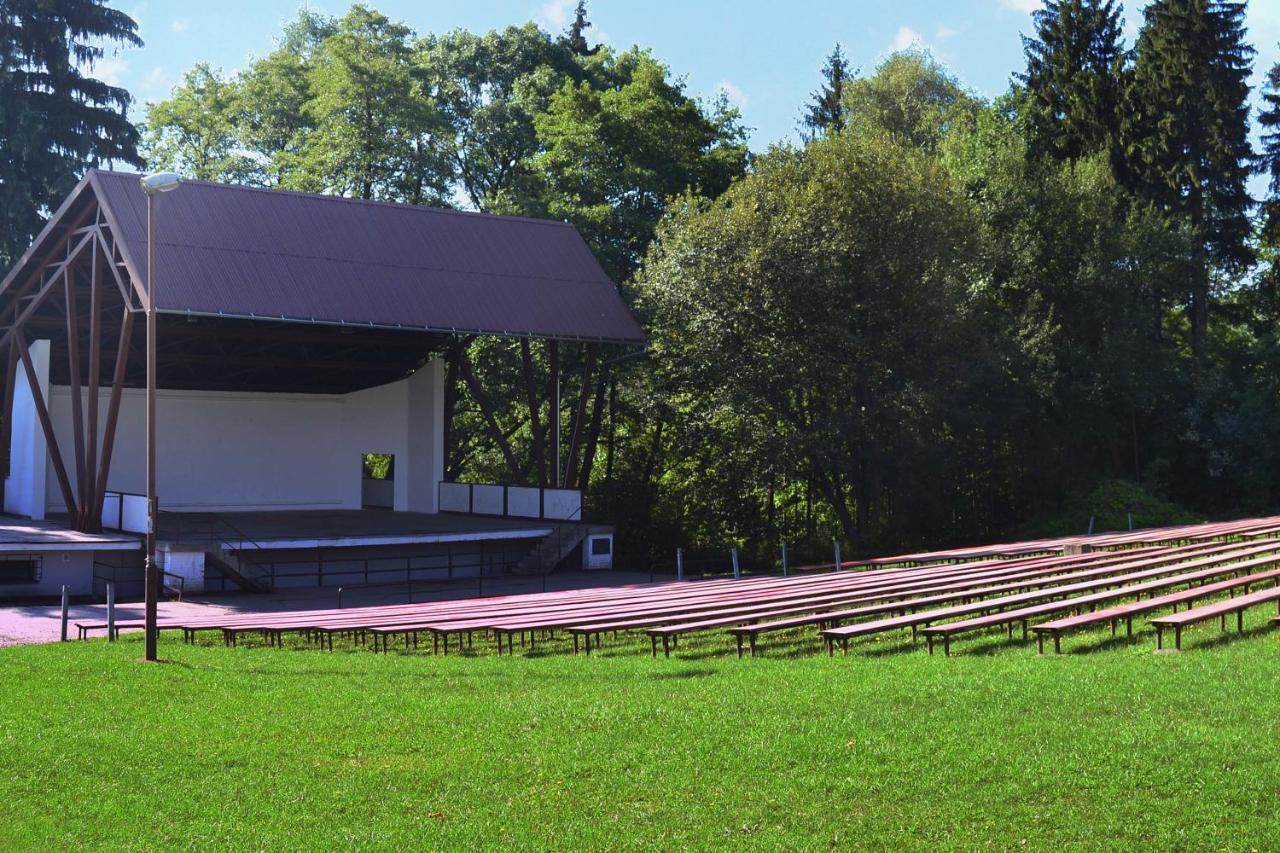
[[1108, 745]]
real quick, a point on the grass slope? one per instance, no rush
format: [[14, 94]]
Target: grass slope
[[1110, 745]]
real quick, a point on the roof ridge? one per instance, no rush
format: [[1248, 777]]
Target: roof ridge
[[394, 205]]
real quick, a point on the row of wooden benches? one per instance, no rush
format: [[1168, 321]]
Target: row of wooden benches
[[942, 600]]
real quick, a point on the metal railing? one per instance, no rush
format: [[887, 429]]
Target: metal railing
[[214, 533], [510, 501]]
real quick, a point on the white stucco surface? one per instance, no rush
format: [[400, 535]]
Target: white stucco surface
[[230, 451]]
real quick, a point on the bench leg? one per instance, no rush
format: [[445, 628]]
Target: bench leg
[[1240, 621], [666, 647], [1177, 637], [831, 647], [1159, 638], [1128, 626], [1039, 643], [752, 639], [929, 639], [946, 644], [844, 646], [1057, 644], [738, 637], [1024, 629]]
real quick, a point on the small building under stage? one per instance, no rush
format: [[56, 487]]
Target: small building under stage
[[296, 334]]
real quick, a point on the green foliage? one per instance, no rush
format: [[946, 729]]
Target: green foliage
[[308, 750], [1075, 79], [911, 97], [613, 154], [805, 319], [1187, 137], [1109, 506], [1269, 157], [825, 112], [56, 118], [196, 131]]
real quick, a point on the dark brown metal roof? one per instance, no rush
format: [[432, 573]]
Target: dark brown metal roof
[[229, 251]]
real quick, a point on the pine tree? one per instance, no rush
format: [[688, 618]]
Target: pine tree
[[1074, 79], [1187, 133], [1269, 160], [825, 112], [55, 119], [575, 37]]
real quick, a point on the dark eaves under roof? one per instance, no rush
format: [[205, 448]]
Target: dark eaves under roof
[[242, 252]]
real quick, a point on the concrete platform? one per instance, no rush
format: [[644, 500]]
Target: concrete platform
[[26, 536], [287, 529]]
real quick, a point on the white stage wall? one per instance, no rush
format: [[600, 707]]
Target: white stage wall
[[228, 451]]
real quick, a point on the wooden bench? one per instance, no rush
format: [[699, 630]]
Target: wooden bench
[[1237, 605], [1057, 627], [950, 629], [1231, 562]]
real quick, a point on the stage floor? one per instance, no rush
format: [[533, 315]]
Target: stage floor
[[27, 535], [339, 528]]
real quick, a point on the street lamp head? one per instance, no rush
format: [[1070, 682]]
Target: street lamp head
[[160, 182]]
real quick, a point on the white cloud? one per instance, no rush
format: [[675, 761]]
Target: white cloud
[[736, 96], [109, 70], [555, 14], [156, 79], [180, 25], [905, 38], [944, 32], [1026, 7]]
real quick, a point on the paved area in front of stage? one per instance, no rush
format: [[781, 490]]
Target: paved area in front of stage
[[41, 623]]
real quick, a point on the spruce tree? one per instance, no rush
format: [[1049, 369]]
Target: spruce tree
[[1269, 160], [825, 112], [1187, 133], [1074, 79], [575, 38], [55, 118]]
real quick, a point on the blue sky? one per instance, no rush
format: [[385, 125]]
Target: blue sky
[[765, 54]]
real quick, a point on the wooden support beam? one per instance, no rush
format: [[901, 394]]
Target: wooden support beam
[[553, 394], [126, 293], [535, 420], [486, 409], [113, 413], [37, 299], [450, 406], [92, 520], [46, 424], [77, 403], [6, 426], [580, 415]]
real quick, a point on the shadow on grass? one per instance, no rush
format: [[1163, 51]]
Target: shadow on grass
[[700, 672]]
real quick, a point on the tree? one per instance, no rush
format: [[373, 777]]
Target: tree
[[575, 38], [1187, 139], [488, 90], [806, 319], [911, 97], [1075, 78], [612, 156], [274, 123], [1269, 159], [56, 119], [196, 131], [825, 112], [375, 125]]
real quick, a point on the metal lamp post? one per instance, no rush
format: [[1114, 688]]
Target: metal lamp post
[[160, 182]]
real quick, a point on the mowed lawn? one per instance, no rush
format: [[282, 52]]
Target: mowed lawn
[[1109, 745]]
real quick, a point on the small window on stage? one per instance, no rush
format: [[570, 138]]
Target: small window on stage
[[379, 484], [601, 546], [20, 570]]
